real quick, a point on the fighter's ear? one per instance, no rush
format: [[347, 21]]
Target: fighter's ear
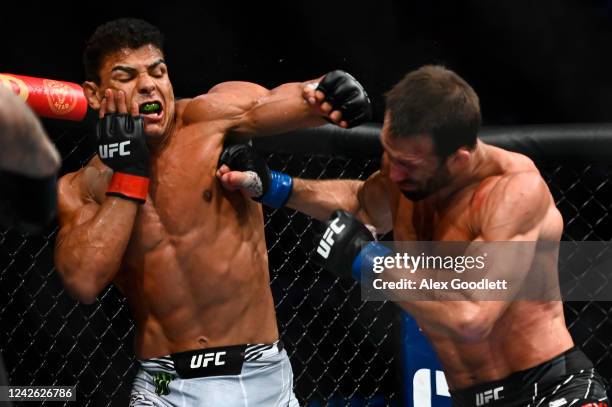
[[459, 159], [90, 89]]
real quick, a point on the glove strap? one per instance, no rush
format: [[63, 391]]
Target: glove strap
[[365, 259], [279, 191], [129, 187]]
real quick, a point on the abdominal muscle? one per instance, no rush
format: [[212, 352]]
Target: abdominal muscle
[[204, 288], [528, 334]]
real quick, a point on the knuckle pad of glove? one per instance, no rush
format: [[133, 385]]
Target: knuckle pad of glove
[[242, 157], [359, 111], [137, 134], [330, 83], [358, 119], [117, 124], [348, 242], [234, 157], [352, 107], [225, 157], [360, 235], [129, 124], [106, 126], [137, 125], [99, 132], [122, 124], [346, 94]]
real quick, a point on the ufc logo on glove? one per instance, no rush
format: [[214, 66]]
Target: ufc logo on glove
[[108, 150], [327, 242]]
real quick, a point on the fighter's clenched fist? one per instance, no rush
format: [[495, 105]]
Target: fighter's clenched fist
[[340, 98], [122, 147]]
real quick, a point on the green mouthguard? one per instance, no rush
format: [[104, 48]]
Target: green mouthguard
[[150, 107]]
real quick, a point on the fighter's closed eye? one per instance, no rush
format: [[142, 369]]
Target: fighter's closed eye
[[157, 69], [123, 78], [158, 72], [409, 166], [123, 73]]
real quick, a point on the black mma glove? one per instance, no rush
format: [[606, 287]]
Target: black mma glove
[[122, 146], [344, 93], [346, 246], [271, 188]]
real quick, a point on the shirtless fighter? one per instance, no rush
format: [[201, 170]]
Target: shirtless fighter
[[149, 215], [438, 182]]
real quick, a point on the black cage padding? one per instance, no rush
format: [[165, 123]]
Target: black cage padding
[[581, 142]]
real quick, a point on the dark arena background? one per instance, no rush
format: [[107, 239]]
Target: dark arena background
[[546, 65]]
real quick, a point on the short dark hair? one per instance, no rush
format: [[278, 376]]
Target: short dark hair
[[117, 34], [435, 101]]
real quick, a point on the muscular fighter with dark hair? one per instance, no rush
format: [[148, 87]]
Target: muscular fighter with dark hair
[[149, 215]]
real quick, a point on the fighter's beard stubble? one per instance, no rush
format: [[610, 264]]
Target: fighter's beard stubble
[[439, 180]]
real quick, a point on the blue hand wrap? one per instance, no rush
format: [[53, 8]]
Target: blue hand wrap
[[365, 258], [279, 191]]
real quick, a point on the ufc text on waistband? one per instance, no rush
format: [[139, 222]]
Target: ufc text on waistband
[[223, 361]]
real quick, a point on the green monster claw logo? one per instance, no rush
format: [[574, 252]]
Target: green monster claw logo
[[162, 381]]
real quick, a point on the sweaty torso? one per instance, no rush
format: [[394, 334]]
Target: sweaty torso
[[195, 272], [528, 332]]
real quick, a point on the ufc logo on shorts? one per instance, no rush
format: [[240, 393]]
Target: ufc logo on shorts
[[109, 150], [327, 241], [202, 360], [484, 397]]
